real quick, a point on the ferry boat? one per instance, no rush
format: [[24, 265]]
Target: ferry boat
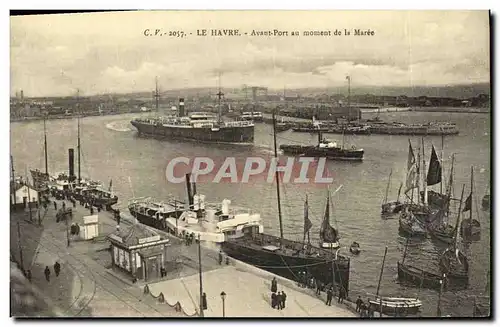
[[198, 126], [213, 222]]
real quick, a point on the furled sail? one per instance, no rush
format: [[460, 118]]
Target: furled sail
[[327, 233], [434, 173], [412, 174], [307, 221]]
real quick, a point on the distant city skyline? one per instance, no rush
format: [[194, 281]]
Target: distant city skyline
[[54, 55]]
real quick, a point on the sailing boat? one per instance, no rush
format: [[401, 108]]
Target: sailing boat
[[441, 230], [285, 257], [453, 262], [470, 227], [393, 305], [418, 276], [41, 179], [394, 206], [328, 235], [407, 219], [434, 177]]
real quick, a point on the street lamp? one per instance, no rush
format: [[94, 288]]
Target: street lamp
[[223, 297]]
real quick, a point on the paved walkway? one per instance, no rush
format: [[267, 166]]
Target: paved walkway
[[248, 295], [85, 287]]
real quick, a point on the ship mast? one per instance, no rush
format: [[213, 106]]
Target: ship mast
[[79, 146], [277, 178], [157, 94], [219, 97], [45, 145]]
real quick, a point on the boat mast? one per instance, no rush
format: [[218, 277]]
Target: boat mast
[[79, 146], [45, 145], [471, 196], [450, 185], [219, 96], [387, 188], [424, 174], [157, 94], [13, 188], [442, 164], [457, 225], [381, 272], [277, 179], [406, 248]]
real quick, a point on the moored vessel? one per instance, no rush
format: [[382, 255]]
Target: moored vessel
[[199, 127], [326, 149], [289, 258]]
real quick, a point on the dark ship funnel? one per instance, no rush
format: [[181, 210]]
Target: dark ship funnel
[[181, 107], [189, 192], [71, 154]]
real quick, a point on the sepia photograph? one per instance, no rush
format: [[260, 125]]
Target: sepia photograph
[[251, 164]]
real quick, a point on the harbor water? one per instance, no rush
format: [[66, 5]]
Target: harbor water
[[111, 149]]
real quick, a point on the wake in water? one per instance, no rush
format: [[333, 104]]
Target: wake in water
[[266, 149], [118, 126]]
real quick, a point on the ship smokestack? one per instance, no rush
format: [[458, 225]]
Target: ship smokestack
[[189, 193], [181, 107], [71, 154]]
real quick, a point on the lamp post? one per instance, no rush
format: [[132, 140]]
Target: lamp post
[[223, 297]]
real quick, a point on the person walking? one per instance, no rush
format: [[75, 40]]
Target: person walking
[[283, 299], [329, 296], [220, 257], [274, 285], [273, 300], [279, 300], [55, 205], [28, 275], [57, 268], [341, 295], [47, 273], [359, 303], [319, 285]]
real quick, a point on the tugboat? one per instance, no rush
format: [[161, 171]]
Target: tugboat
[[285, 257], [196, 128], [325, 148]]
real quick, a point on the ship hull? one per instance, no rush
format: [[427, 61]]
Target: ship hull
[[288, 265], [154, 222], [231, 134], [317, 152]]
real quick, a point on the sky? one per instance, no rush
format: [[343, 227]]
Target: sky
[[97, 53]]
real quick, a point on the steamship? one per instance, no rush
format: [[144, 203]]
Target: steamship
[[199, 127]]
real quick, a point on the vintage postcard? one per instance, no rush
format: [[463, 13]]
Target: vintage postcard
[[250, 164]]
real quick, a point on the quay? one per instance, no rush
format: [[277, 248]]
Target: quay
[[90, 285]]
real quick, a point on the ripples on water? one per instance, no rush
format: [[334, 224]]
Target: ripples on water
[[111, 149]]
